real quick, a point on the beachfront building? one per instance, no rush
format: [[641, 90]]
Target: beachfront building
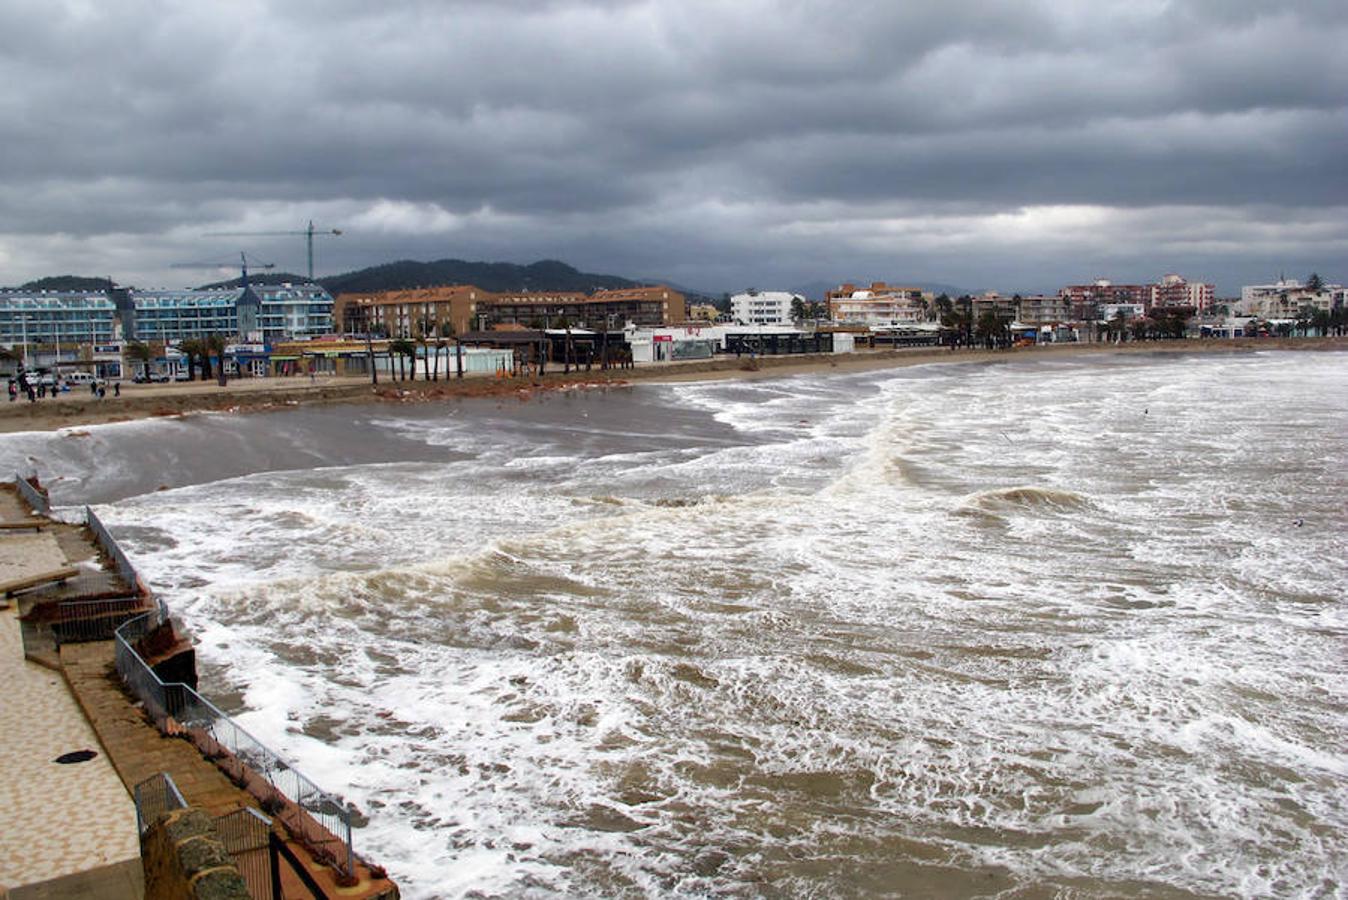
[[879, 304], [169, 315], [57, 317], [1173, 291], [645, 307], [1104, 291], [542, 310], [451, 309], [1286, 298], [614, 310], [257, 313], [755, 307], [1045, 309], [290, 311], [1005, 308]]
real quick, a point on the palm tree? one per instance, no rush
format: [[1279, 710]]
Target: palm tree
[[1315, 283], [140, 353], [195, 351], [403, 349], [216, 344]]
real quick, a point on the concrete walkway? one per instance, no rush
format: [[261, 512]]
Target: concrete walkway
[[55, 820]]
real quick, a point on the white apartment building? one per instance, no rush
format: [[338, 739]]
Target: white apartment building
[[763, 307], [871, 308], [1286, 297]]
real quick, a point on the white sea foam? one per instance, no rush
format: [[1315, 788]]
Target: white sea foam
[[1051, 625]]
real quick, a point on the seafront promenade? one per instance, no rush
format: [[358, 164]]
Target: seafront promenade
[[63, 827], [279, 393], [75, 743]]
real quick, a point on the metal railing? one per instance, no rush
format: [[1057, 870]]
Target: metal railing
[[246, 834], [156, 796], [45, 628], [320, 820], [110, 547], [79, 621], [35, 498]]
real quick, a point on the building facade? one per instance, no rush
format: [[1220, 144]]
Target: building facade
[[57, 318], [1174, 291], [149, 316], [614, 310], [1040, 309], [409, 313], [1286, 298], [879, 304], [290, 311], [763, 307]]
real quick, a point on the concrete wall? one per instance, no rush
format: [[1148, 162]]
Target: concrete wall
[[183, 858]]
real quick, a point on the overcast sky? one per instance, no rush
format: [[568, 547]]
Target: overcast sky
[[986, 144]]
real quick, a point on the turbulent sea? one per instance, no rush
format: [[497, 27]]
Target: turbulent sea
[[1070, 627]]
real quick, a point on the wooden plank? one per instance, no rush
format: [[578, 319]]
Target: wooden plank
[[31, 581]]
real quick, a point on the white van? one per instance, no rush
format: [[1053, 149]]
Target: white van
[[82, 378]]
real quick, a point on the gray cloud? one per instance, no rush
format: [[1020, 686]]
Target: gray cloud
[[1007, 144]]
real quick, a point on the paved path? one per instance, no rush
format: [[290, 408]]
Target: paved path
[[137, 749], [55, 820]]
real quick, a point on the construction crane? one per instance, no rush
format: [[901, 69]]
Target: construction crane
[[308, 238], [243, 267]]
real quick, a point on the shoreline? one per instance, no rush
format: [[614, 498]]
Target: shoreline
[[139, 402]]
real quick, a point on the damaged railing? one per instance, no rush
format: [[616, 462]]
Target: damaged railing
[[318, 819], [35, 498]]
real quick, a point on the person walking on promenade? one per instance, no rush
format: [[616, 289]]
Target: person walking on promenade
[[116, 389]]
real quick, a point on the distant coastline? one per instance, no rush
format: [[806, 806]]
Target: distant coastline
[[264, 394]]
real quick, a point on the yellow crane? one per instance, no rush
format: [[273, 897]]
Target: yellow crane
[[308, 234]]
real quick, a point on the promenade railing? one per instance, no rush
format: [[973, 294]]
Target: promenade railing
[[110, 547], [46, 628], [35, 498], [319, 819], [154, 797]]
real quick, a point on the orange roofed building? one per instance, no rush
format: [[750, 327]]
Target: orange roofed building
[[407, 313]]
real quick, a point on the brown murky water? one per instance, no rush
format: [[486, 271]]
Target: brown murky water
[[1044, 629]]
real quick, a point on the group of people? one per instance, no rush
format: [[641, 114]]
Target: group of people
[[39, 389]]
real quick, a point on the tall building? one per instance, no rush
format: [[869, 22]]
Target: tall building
[[763, 307], [1173, 291], [1170, 291], [1087, 300]]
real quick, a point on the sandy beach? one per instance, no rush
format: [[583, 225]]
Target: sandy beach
[[141, 401]]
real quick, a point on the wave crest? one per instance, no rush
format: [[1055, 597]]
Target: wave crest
[[1028, 497]]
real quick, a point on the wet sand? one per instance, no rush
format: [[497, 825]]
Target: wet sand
[[254, 394]]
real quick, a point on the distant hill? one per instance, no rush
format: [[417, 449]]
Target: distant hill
[[544, 275], [66, 283]]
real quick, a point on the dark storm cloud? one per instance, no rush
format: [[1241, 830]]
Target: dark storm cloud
[[717, 143]]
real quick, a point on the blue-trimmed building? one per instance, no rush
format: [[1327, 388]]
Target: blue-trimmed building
[[52, 317], [54, 326]]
